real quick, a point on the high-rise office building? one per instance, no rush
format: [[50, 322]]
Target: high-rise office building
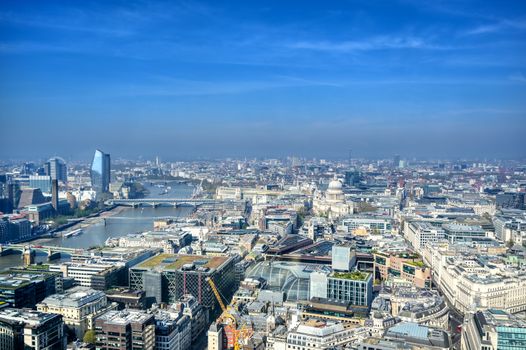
[[56, 168], [40, 181], [100, 172], [167, 277], [353, 177], [396, 161]]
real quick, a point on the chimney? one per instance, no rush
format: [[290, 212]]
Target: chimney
[[54, 194]]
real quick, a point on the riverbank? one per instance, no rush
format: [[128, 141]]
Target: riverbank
[[92, 220]]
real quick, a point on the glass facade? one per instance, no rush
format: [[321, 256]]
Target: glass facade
[[289, 277], [100, 172], [380, 260], [318, 285], [408, 269], [511, 338], [56, 168], [353, 291], [341, 258], [40, 181]]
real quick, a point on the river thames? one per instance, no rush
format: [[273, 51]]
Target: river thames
[[125, 221]]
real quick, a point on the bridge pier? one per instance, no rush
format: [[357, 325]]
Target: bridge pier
[[175, 204], [28, 256]]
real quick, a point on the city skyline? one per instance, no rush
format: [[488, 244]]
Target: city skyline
[[190, 80], [233, 175]]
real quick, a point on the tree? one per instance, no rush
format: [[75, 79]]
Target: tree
[[89, 337]]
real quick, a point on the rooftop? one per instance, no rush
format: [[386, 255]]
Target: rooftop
[[30, 317], [125, 316], [175, 261], [499, 318], [415, 333], [355, 275], [74, 297]]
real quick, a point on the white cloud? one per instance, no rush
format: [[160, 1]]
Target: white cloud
[[376, 43]]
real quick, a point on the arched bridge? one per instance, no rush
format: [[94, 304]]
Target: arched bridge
[[53, 252], [175, 202]]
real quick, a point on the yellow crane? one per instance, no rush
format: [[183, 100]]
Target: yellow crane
[[239, 334]]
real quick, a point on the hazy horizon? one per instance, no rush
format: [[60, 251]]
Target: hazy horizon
[[197, 79]]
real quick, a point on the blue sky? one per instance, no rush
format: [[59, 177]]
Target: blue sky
[[270, 78]]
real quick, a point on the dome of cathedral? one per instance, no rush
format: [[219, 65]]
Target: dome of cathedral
[[335, 185]]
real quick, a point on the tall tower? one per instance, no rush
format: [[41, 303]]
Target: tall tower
[[57, 169], [54, 194], [100, 172], [396, 161]]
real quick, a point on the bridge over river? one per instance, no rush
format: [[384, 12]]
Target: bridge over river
[[52, 252], [174, 202]]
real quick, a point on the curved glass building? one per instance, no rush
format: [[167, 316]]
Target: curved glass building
[[292, 278], [100, 172]]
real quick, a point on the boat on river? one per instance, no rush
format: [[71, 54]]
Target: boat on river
[[72, 233]]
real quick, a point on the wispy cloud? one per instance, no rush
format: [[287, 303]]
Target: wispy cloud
[[77, 23], [376, 43], [518, 77], [168, 86], [23, 47], [497, 26]]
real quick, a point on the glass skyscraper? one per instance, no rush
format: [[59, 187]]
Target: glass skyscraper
[[40, 181], [100, 172], [56, 168]]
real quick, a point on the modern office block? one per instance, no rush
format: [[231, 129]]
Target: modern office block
[[100, 172], [43, 182], [22, 329], [125, 330], [170, 276], [493, 329]]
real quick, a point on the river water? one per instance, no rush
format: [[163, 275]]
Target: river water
[[129, 220]]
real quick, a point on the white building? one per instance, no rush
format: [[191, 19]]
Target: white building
[[78, 306], [378, 224], [315, 335], [471, 282], [419, 233], [332, 203]]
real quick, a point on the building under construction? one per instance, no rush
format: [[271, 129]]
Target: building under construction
[[167, 277]]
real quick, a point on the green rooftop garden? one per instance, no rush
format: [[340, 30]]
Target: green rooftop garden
[[354, 275], [175, 262], [416, 263]]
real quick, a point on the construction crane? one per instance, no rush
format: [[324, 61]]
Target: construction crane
[[238, 334], [220, 301]]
